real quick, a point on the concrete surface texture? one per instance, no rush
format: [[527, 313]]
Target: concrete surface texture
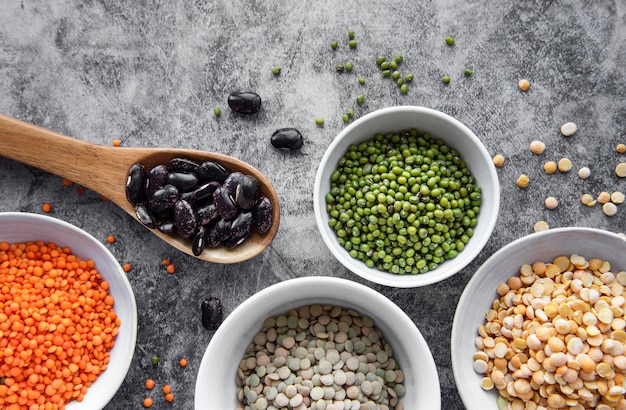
[[149, 73]]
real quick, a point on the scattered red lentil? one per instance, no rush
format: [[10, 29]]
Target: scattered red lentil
[[117, 143], [46, 207], [66, 182], [126, 267], [183, 362], [80, 190], [165, 262], [171, 268], [111, 239], [149, 384], [167, 389], [169, 397], [147, 402]]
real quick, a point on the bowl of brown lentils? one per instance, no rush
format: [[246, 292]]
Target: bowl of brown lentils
[[406, 196], [317, 343]]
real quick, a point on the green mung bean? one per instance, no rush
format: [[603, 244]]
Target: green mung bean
[[403, 202]]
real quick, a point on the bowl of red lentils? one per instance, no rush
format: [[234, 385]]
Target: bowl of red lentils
[[541, 324], [406, 196], [68, 318], [317, 343]]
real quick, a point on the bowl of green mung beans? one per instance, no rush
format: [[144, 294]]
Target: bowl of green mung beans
[[406, 196]]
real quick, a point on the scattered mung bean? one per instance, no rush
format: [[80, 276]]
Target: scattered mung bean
[[468, 72], [450, 40], [319, 357], [445, 79]]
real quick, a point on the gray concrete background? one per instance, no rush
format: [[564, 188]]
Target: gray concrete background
[[150, 72]]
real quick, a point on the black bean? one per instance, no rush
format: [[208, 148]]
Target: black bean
[[242, 225], [163, 198], [287, 138], [136, 184], [156, 178], [199, 241], [245, 102], [184, 219], [184, 165], [212, 313], [184, 181], [263, 213], [205, 214], [247, 192], [210, 171], [232, 181], [145, 216], [204, 192], [226, 206]]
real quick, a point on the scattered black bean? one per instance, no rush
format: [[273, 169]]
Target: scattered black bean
[[212, 313], [245, 102], [287, 138]]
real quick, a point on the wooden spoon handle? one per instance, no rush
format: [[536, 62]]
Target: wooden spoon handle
[[102, 169]]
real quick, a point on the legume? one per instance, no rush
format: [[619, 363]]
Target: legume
[[584, 173], [550, 167], [450, 41], [445, 79], [551, 202], [604, 197], [555, 336], [620, 170], [564, 165], [498, 160], [468, 72], [276, 70], [522, 181], [318, 356], [537, 147], [568, 129], [523, 85], [620, 148], [541, 226], [588, 200], [617, 197], [609, 209], [403, 202]]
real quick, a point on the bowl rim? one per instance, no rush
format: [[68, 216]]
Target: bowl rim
[[232, 322], [109, 390], [443, 271], [466, 298]]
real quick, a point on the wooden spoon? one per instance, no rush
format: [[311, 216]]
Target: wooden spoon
[[105, 170]]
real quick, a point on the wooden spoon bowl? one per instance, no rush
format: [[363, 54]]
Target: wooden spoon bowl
[[105, 170]]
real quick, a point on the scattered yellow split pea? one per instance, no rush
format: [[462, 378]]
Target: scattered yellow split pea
[[498, 160], [620, 170], [588, 200], [617, 197], [537, 147], [584, 173], [609, 209], [541, 226], [551, 202], [621, 148], [604, 197], [549, 167], [565, 165], [522, 181], [568, 129], [523, 84]]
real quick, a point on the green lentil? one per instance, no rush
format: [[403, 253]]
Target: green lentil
[[276, 70], [403, 202]]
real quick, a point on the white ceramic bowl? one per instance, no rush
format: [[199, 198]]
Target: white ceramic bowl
[[18, 227], [216, 382], [439, 125], [481, 291]]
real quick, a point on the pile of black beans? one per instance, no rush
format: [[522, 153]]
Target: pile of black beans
[[201, 202]]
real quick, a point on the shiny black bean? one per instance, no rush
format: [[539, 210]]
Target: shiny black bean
[[184, 165], [212, 313], [204, 192], [242, 224], [232, 181], [163, 198], [245, 102], [205, 214], [199, 241], [210, 171], [287, 138], [226, 206], [145, 216], [263, 213], [247, 192], [136, 184], [156, 178], [184, 181], [167, 227], [185, 219]]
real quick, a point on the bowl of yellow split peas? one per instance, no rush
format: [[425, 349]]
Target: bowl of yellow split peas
[[68, 318], [541, 324], [406, 196]]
